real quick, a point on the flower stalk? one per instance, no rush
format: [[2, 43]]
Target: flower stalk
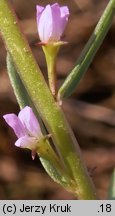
[[51, 51], [45, 104]]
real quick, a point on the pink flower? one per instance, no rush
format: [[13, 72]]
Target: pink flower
[[26, 128], [51, 22]]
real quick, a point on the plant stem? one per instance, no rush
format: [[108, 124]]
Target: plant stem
[[89, 51], [51, 51], [45, 104], [111, 194], [52, 78]]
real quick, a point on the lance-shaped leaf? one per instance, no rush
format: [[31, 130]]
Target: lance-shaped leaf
[[89, 52]]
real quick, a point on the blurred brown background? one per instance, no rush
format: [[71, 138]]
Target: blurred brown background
[[90, 110]]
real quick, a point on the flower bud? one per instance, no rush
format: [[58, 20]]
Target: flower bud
[[51, 22]]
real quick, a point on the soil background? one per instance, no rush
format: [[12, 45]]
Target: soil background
[[90, 110]]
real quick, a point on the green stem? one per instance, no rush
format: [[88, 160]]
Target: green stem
[[19, 89], [89, 51], [45, 104], [52, 78], [51, 51], [111, 194]]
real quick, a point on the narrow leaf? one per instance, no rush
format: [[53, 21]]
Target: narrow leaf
[[89, 52]]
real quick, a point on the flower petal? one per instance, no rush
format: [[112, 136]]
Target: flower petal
[[64, 17], [26, 142], [45, 24], [39, 10], [30, 122], [64, 11], [13, 121], [56, 22]]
